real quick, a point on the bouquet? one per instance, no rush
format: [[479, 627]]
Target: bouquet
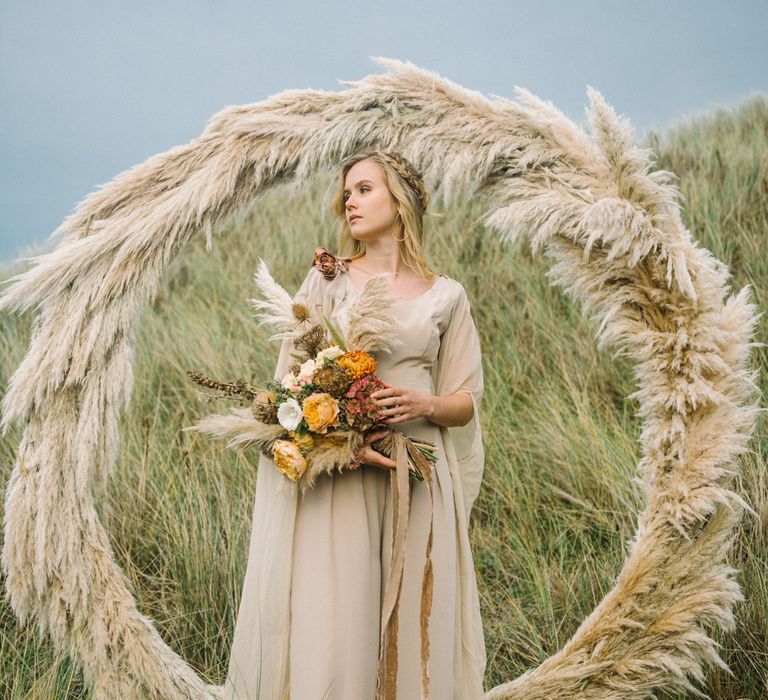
[[316, 417]]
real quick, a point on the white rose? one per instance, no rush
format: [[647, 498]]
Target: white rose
[[290, 382], [305, 372], [331, 353], [289, 414]]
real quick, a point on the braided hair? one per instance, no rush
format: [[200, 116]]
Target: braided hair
[[412, 176], [407, 186]]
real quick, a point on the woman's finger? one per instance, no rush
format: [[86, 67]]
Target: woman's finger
[[384, 392], [370, 456], [398, 419], [391, 401]]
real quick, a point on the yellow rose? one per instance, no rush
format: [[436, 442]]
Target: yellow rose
[[321, 411], [288, 459], [304, 441]]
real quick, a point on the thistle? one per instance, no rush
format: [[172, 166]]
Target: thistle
[[312, 342], [332, 379], [300, 312], [264, 407]]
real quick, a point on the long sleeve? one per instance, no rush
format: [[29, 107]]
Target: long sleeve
[[459, 369]]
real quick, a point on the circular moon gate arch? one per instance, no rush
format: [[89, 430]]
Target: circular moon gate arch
[[591, 200]]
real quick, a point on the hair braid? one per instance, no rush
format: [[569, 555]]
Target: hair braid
[[412, 176]]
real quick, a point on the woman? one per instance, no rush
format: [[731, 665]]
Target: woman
[[309, 621]]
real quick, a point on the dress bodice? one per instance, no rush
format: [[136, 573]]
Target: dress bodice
[[419, 325]]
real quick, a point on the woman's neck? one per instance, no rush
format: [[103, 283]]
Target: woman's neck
[[376, 261]]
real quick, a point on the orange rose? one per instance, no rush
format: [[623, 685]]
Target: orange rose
[[288, 459], [321, 411]]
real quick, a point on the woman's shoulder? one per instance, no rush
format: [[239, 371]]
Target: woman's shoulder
[[454, 288]]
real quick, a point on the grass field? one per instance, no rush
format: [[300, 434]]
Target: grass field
[[558, 504]]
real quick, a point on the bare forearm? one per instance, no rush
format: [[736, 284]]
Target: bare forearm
[[450, 411]]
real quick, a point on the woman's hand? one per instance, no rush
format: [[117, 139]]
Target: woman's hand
[[367, 455], [400, 404]]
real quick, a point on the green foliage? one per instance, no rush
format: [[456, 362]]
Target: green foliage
[[558, 504]]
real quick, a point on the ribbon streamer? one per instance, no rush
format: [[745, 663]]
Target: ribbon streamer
[[386, 674]]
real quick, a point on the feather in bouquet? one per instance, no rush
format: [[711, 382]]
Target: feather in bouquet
[[315, 419]]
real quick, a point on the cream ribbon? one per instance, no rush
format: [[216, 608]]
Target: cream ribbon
[[386, 673]]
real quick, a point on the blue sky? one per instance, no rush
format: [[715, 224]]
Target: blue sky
[[89, 89]]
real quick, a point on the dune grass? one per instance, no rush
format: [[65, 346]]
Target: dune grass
[[558, 502]]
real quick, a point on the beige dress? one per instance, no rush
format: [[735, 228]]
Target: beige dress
[[308, 626]]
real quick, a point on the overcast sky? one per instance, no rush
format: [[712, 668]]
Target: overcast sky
[[89, 89]]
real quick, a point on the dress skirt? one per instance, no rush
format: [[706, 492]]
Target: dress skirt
[[341, 555]]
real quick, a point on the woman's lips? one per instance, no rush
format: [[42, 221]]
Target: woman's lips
[[354, 218]]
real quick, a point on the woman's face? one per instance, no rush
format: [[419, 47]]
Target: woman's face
[[371, 209]]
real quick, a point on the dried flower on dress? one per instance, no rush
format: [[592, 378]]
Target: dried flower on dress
[[328, 264]]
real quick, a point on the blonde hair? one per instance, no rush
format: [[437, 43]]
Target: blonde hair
[[406, 186]]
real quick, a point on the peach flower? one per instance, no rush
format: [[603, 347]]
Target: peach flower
[[291, 382], [305, 373], [288, 459], [321, 411]]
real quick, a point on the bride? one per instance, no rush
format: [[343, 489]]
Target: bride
[[313, 619]]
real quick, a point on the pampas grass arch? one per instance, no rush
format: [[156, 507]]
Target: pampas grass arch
[[591, 200]]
